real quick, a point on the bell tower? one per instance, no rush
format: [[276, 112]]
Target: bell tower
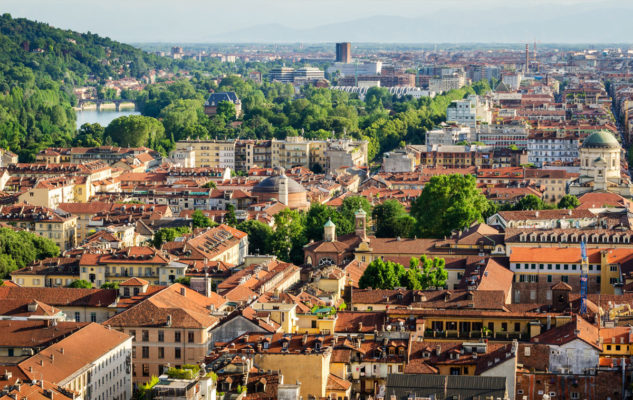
[[360, 218], [329, 231]]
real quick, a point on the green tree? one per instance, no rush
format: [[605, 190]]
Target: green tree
[[259, 236], [135, 131], [351, 204], [289, 237], [568, 201], [19, 249], [429, 272], [391, 220], [80, 284], [529, 202], [164, 235], [110, 285], [226, 109], [448, 202], [318, 215], [199, 220], [381, 274], [229, 217]]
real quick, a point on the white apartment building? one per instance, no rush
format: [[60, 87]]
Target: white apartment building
[[469, 111], [447, 82], [543, 150], [449, 135], [351, 69], [512, 80], [503, 135]]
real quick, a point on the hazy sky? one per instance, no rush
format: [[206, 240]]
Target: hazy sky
[[204, 20]]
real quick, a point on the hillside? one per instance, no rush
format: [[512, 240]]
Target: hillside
[[39, 66]]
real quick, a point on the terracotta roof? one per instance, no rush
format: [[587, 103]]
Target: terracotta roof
[[336, 383], [353, 321], [61, 297], [578, 328], [134, 282], [34, 333], [191, 310], [75, 352]]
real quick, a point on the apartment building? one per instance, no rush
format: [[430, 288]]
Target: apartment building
[[57, 226], [117, 265], [210, 153], [50, 192], [551, 148], [93, 362], [469, 112], [170, 327], [449, 135], [514, 133], [446, 83]]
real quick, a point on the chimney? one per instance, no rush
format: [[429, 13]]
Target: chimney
[[183, 292], [360, 326], [438, 350], [61, 350], [304, 339]]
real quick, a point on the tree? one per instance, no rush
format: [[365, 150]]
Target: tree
[[200, 220], [318, 215], [135, 131], [568, 201], [351, 204], [229, 217], [259, 236], [529, 202], [388, 216], [164, 235], [429, 272], [210, 185], [184, 280], [289, 237], [80, 284], [226, 109], [19, 249], [381, 274], [110, 285], [448, 202]]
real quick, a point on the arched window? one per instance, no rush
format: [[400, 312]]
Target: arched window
[[325, 261]]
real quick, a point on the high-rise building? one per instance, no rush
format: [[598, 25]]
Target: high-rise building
[[344, 52]]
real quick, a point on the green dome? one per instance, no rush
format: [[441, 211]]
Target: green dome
[[601, 140]]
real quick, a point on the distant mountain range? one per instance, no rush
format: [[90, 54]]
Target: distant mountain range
[[511, 25]]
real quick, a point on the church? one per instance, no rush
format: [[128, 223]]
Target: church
[[600, 168]]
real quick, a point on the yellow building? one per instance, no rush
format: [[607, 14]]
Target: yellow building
[[117, 265], [210, 153], [43, 221], [616, 342]]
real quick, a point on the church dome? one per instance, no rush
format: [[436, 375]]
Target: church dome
[[271, 185], [601, 140]]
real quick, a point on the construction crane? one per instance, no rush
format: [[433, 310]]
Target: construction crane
[[584, 277]]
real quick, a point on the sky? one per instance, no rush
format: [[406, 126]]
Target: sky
[[200, 21]]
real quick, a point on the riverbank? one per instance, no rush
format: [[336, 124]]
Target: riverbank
[[106, 106]]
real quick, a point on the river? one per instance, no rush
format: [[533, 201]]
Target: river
[[101, 117]]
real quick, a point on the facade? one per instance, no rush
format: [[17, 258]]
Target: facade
[[449, 135], [398, 161], [210, 153], [184, 157], [469, 112], [95, 362], [503, 135], [446, 83], [551, 149], [171, 327]]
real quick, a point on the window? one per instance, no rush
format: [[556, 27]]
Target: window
[[177, 352], [613, 268], [145, 336], [77, 316], [161, 336], [617, 347], [558, 266], [145, 370], [613, 280], [177, 337], [93, 317], [517, 327], [161, 352], [190, 337], [549, 278], [565, 267], [133, 351], [608, 347], [133, 334], [575, 395], [564, 278], [504, 326], [145, 352]]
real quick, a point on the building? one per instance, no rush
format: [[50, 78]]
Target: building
[[117, 265], [344, 52], [282, 74], [50, 192], [446, 83], [221, 243], [426, 386], [171, 327], [210, 153], [449, 135], [184, 157], [214, 100], [398, 161], [549, 149], [504, 135], [308, 75], [469, 112], [600, 167], [94, 362], [59, 227], [356, 69]]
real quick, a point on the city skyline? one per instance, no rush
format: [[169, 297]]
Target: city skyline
[[405, 21]]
